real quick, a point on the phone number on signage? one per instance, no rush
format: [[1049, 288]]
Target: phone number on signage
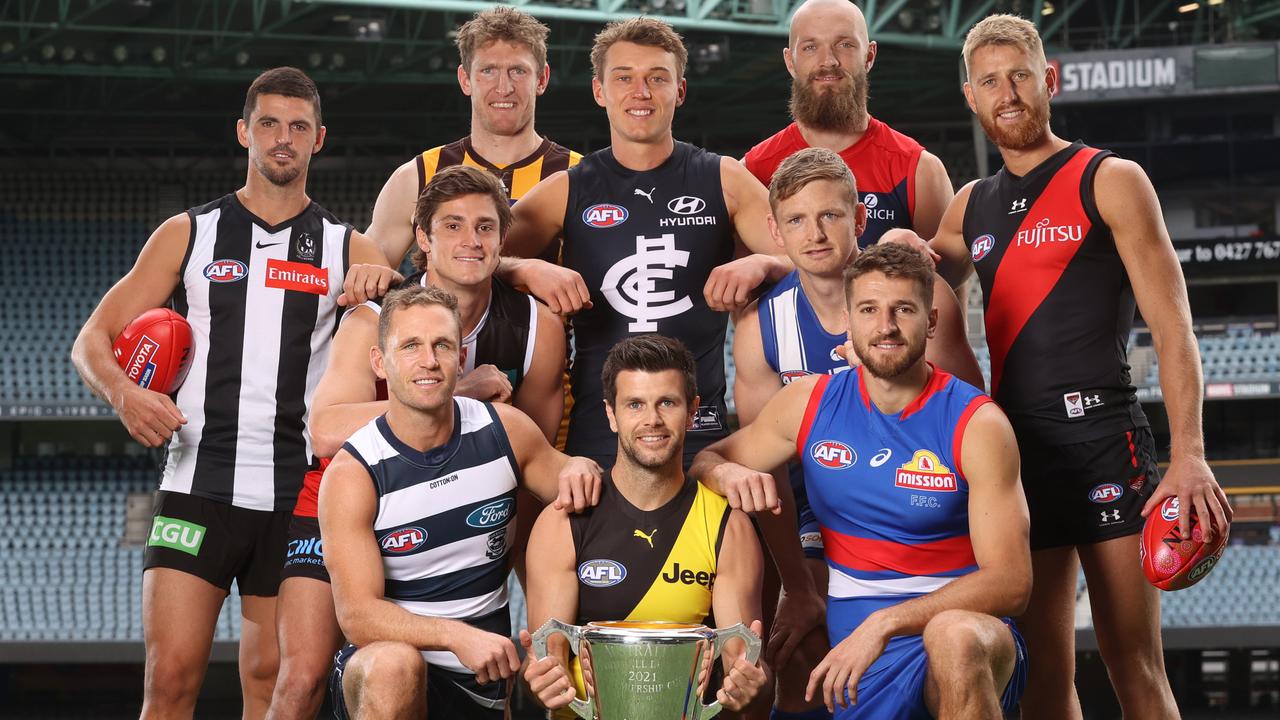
[[1259, 249]]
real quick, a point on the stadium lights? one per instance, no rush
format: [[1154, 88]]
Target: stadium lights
[[68, 54], [1216, 2], [1047, 9], [158, 54], [314, 59], [120, 53], [1189, 7], [47, 51]]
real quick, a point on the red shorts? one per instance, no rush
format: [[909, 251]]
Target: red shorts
[[309, 497]]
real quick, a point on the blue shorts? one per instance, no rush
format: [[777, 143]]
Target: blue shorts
[[893, 687]]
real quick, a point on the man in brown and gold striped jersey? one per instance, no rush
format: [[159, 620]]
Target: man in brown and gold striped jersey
[[503, 70]]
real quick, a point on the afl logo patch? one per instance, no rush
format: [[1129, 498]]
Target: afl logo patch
[[1106, 493], [404, 540], [790, 376], [604, 215], [225, 271], [601, 573], [833, 454], [982, 246]]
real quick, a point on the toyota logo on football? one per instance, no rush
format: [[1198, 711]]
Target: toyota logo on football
[[687, 205]]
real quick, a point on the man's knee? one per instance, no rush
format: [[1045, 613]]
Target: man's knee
[[960, 643], [393, 666], [173, 679]]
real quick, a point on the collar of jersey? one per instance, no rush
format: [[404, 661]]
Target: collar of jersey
[[433, 457], [611, 162], [263, 223], [634, 513], [1050, 164]]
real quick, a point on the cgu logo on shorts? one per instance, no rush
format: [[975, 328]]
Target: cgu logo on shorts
[[601, 573], [404, 540], [604, 215], [225, 271], [833, 454], [176, 534], [925, 472], [982, 246], [1106, 493]]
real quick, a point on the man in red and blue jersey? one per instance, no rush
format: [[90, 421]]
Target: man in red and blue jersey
[[913, 476]]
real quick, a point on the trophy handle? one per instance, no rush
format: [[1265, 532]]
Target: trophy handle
[[572, 633], [713, 708]]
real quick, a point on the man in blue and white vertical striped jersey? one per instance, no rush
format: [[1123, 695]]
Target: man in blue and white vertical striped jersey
[[417, 512]]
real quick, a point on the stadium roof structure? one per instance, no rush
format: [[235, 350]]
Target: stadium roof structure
[[137, 75]]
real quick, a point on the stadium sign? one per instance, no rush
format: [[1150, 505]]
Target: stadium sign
[[1228, 256], [1151, 73]]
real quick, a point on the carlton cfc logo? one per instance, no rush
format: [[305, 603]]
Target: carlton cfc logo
[[833, 454], [982, 246], [604, 215]]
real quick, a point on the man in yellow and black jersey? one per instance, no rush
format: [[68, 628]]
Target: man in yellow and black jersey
[[658, 547], [503, 70]]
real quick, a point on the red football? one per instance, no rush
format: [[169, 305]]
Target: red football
[[155, 350], [1170, 561]]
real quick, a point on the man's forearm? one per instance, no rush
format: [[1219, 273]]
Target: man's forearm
[[1182, 385], [986, 590], [331, 426], [377, 620], [91, 354], [779, 532]]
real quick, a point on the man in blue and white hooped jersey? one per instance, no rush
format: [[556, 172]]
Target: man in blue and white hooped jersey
[[417, 512]]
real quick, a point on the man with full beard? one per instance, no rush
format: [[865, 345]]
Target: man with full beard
[[913, 477], [1065, 239], [829, 56]]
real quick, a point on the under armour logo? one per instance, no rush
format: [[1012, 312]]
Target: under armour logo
[[630, 286], [1092, 400], [1111, 515], [647, 537], [1019, 205], [647, 195]]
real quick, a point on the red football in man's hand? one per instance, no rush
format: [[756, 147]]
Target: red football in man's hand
[[1170, 561], [155, 350]]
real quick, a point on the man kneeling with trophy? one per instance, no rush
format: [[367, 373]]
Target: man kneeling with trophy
[[640, 573]]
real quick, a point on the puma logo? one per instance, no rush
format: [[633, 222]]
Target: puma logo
[[648, 195], [647, 537]]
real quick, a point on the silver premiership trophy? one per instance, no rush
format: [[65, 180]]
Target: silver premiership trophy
[[644, 670]]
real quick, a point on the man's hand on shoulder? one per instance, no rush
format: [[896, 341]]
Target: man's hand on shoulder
[[563, 290], [579, 484], [746, 489], [486, 383], [904, 236], [367, 281], [731, 286]]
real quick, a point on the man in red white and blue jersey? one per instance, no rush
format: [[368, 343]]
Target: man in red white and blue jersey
[[913, 476]]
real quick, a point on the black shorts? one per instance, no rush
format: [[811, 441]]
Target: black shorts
[[1088, 492], [304, 553], [450, 695], [218, 542]]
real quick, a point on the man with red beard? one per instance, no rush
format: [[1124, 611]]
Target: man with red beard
[[829, 57], [1065, 239]]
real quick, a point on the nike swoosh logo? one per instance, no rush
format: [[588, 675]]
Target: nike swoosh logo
[[260, 246]]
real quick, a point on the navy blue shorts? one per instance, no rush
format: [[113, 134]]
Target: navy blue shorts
[[450, 694]]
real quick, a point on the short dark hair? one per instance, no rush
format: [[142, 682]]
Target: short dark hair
[[641, 30], [286, 81], [452, 183], [414, 295], [505, 24], [894, 260], [652, 354]]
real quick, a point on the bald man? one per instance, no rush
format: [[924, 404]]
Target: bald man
[[830, 56]]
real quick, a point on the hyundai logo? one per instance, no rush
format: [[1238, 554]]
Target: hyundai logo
[[687, 205]]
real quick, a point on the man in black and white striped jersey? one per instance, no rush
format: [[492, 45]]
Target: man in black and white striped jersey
[[258, 274], [417, 513]]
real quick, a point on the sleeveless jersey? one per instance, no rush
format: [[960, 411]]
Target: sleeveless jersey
[[889, 490], [247, 395], [1058, 302], [445, 519], [518, 177], [883, 162], [504, 338], [645, 566], [645, 242]]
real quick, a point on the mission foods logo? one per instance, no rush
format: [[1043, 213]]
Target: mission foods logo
[[404, 540], [601, 573], [925, 472], [833, 454], [604, 215]]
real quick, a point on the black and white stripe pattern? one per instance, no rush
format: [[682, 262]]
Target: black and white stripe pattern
[[445, 518], [262, 334]]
